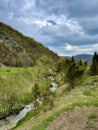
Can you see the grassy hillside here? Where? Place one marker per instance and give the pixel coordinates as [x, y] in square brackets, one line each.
[16, 88]
[65, 100]
[19, 50]
[22, 85]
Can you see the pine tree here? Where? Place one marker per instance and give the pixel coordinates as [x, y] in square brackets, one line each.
[85, 63]
[71, 74]
[80, 62]
[94, 65]
[74, 71]
[72, 59]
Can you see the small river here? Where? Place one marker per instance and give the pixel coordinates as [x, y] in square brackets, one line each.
[12, 120]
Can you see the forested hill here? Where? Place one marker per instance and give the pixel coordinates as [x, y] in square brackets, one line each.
[19, 50]
[83, 57]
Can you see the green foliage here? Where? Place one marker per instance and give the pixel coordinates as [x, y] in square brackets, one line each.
[44, 65]
[80, 63]
[36, 94]
[87, 92]
[19, 50]
[85, 63]
[72, 60]
[94, 65]
[62, 64]
[74, 71]
[93, 115]
[9, 95]
[47, 99]
[91, 124]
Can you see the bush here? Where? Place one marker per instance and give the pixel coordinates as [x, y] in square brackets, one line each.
[93, 115]
[91, 124]
[87, 92]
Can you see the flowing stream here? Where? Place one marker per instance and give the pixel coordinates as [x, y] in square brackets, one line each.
[12, 120]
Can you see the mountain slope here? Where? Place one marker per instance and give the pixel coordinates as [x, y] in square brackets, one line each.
[84, 57]
[19, 50]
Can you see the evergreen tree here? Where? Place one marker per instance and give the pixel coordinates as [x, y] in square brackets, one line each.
[72, 59]
[80, 62]
[48, 100]
[74, 71]
[94, 65]
[71, 74]
[85, 63]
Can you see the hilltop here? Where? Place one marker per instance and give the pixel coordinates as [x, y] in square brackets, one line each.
[19, 50]
[83, 57]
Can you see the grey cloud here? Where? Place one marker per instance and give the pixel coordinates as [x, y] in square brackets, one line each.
[71, 21]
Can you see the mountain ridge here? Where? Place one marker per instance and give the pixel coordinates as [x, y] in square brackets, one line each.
[17, 48]
[84, 57]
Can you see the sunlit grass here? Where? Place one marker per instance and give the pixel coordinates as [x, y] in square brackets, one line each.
[65, 101]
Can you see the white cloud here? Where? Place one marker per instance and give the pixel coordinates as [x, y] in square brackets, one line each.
[83, 49]
[32, 16]
[28, 4]
[69, 47]
[69, 50]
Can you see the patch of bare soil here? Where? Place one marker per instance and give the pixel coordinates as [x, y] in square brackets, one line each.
[77, 119]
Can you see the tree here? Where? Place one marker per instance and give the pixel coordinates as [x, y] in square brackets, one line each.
[85, 63]
[19, 60]
[71, 74]
[62, 64]
[94, 65]
[47, 99]
[44, 65]
[74, 71]
[80, 62]
[72, 60]
[36, 95]
[9, 96]
[95, 57]
[93, 69]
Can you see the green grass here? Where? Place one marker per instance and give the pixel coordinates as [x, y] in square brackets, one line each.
[91, 124]
[43, 125]
[64, 102]
[22, 79]
[29, 115]
[25, 78]
[93, 115]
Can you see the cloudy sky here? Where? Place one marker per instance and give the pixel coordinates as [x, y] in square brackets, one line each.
[68, 27]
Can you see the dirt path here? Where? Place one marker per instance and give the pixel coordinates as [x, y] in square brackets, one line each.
[77, 119]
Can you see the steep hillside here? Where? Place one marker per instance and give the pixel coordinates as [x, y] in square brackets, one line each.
[19, 50]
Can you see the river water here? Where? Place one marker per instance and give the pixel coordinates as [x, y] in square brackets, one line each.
[11, 121]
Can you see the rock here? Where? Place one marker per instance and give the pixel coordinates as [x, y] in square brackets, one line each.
[89, 87]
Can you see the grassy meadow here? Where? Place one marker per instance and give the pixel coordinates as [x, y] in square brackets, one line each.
[16, 84]
[65, 100]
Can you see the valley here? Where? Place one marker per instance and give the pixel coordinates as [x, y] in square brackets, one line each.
[39, 89]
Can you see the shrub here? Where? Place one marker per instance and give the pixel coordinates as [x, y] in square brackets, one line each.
[87, 92]
[91, 124]
[93, 115]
